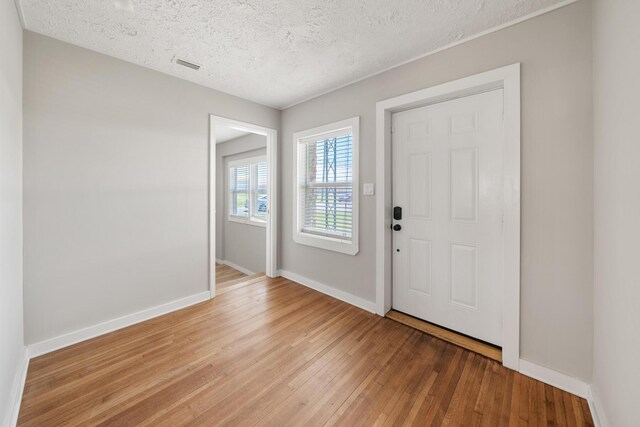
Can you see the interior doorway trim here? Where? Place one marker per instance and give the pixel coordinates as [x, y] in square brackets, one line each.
[508, 79]
[272, 194]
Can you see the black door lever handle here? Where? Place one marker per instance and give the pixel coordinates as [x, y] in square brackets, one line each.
[397, 227]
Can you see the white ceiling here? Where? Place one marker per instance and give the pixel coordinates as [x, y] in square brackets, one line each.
[225, 133]
[274, 52]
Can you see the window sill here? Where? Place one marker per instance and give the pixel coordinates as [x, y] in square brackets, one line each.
[327, 243]
[244, 221]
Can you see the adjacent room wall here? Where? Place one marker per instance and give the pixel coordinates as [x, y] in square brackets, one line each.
[244, 245]
[617, 210]
[11, 319]
[116, 185]
[557, 173]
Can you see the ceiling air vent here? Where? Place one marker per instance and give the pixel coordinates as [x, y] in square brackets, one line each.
[187, 64]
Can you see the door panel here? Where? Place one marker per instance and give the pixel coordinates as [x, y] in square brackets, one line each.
[463, 194]
[448, 178]
[420, 265]
[420, 185]
[464, 275]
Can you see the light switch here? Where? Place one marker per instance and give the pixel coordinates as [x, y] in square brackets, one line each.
[368, 189]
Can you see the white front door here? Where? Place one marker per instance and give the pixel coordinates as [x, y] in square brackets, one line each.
[448, 179]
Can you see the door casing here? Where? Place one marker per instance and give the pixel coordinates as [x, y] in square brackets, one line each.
[272, 193]
[508, 79]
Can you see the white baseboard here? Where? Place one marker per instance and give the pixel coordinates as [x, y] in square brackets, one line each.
[75, 337]
[597, 411]
[328, 290]
[236, 267]
[554, 378]
[568, 384]
[17, 388]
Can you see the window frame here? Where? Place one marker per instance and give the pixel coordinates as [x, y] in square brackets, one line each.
[335, 244]
[250, 219]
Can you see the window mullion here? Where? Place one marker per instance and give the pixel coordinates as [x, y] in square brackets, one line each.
[340, 184]
[251, 195]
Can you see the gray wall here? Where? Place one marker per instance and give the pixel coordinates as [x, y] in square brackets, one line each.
[116, 185]
[557, 173]
[11, 323]
[617, 210]
[247, 247]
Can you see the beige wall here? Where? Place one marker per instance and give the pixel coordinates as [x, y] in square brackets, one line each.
[557, 173]
[116, 185]
[246, 245]
[11, 318]
[617, 210]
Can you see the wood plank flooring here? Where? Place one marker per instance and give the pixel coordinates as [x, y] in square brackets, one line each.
[226, 275]
[275, 353]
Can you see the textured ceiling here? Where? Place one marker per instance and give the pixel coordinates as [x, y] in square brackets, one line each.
[276, 52]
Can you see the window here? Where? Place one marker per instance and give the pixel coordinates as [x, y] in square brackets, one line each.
[247, 201]
[259, 190]
[326, 202]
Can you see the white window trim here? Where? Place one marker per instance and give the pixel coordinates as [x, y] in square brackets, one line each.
[323, 242]
[250, 219]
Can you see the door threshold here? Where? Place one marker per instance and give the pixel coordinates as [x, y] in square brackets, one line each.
[464, 341]
[240, 283]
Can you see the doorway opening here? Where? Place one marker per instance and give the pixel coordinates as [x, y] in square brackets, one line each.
[242, 203]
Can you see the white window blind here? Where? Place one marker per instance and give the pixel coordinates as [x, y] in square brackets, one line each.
[259, 191]
[328, 186]
[239, 190]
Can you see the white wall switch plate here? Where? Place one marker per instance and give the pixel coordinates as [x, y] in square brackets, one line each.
[368, 189]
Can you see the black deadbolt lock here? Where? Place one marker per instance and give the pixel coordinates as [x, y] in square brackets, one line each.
[397, 213]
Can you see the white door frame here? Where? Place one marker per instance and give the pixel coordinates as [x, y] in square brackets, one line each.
[272, 193]
[508, 79]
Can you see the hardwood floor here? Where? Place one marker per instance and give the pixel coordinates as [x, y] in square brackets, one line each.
[276, 353]
[226, 274]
